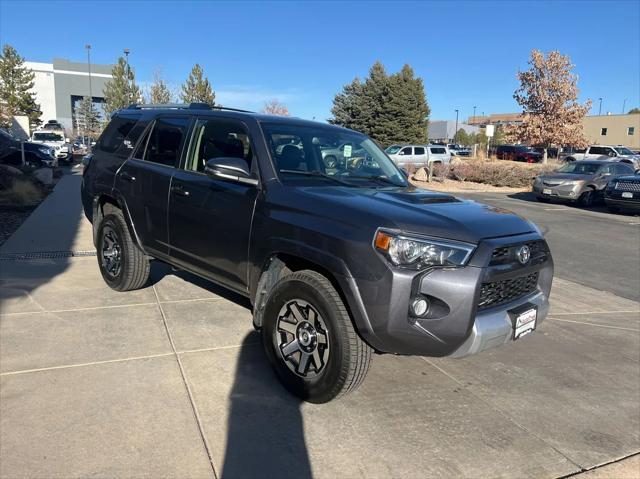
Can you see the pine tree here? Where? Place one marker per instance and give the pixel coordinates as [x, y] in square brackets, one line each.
[388, 108]
[87, 117]
[15, 82]
[159, 92]
[197, 88]
[121, 91]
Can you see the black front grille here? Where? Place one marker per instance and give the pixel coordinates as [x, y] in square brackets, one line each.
[628, 185]
[499, 292]
[507, 254]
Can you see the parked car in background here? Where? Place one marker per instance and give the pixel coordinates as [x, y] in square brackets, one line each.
[35, 154]
[606, 152]
[56, 140]
[336, 264]
[552, 152]
[623, 193]
[518, 153]
[418, 155]
[459, 150]
[53, 125]
[579, 181]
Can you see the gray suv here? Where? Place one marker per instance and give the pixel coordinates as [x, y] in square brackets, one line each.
[338, 263]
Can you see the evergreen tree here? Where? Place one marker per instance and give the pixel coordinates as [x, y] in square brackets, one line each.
[87, 117]
[389, 108]
[15, 82]
[159, 92]
[197, 88]
[121, 91]
[463, 138]
[634, 111]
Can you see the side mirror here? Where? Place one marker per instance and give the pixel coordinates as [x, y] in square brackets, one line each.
[230, 169]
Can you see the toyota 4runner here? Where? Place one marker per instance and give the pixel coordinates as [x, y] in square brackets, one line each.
[338, 259]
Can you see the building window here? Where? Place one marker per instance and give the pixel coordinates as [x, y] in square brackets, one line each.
[631, 130]
[603, 132]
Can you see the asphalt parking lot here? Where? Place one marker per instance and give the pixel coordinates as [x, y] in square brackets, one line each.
[171, 381]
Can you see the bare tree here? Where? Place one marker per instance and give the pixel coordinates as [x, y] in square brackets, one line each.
[274, 107]
[548, 95]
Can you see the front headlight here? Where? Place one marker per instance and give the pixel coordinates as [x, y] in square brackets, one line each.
[44, 150]
[418, 253]
[571, 182]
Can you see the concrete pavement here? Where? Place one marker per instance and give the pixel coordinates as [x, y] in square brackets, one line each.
[171, 381]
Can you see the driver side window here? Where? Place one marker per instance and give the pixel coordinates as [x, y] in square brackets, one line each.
[218, 138]
[406, 150]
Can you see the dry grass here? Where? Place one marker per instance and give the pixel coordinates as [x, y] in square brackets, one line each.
[21, 192]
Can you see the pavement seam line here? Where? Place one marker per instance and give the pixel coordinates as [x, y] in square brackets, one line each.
[78, 365]
[596, 312]
[599, 466]
[194, 409]
[95, 308]
[502, 413]
[594, 324]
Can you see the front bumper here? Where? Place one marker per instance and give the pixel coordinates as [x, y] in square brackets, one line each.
[456, 325]
[627, 204]
[565, 192]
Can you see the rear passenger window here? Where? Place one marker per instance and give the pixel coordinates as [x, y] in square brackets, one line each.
[418, 150]
[438, 151]
[116, 132]
[165, 143]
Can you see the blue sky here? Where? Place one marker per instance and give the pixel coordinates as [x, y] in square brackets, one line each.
[468, 53]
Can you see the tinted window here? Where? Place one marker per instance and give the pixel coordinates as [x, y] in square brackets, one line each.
[623, 170]
[126, 147]
[217, 139]
[165, 142]
[115, 133]
[438, 151]
[596, 150]
[406, 151]
[418, 150]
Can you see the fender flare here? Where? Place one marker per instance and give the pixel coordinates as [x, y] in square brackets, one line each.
[99, 201]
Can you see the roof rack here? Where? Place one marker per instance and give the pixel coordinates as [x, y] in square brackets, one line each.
[183, 106]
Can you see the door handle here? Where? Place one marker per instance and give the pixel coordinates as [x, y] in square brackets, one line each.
[179, 190]
[126, 176]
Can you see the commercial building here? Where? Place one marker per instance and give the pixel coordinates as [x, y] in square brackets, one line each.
[445, 130]
[59, 87]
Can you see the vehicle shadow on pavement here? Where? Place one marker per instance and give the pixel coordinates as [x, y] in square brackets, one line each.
[265, 435]
[597, 207]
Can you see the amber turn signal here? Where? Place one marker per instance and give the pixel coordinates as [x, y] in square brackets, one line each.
[382, 241]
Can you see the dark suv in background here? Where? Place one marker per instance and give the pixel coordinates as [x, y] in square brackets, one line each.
[338, 260]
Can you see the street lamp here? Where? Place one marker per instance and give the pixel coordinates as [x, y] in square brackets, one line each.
[600, 107]
[126, 56]
[624, 103]
[455, 134]
[474, 115]
[88, 47]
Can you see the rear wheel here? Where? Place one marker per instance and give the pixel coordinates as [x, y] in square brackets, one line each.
[587, 198]
[310, 340]
[123, 265]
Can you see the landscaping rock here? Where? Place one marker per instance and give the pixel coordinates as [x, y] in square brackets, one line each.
[421, 175]
[10, 170]
[43, 175]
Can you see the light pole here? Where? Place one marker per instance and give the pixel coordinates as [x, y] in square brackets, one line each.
[455, 134]
[474, 115]
[624, 103]
[600, 107]
[126, 56]
[88, 47]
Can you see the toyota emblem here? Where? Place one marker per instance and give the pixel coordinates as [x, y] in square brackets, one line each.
[523, 253]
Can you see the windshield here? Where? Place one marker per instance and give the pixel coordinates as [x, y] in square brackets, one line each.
[577, 168]
[392, 150]
[624, 151]
[47, 137]
[326, 155]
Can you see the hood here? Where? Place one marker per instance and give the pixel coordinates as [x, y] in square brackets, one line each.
[561, 177]
[413, 210]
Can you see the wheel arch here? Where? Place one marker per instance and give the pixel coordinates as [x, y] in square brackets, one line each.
[102, 204]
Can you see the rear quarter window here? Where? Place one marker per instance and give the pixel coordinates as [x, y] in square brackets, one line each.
[438, 151]
[116, 132]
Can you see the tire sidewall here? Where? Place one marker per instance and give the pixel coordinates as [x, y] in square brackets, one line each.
[329, 382]
[113, 222]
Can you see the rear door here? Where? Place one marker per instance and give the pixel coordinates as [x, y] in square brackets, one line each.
[439, 153]
[145, 178]
[420, 156]
[209, 218]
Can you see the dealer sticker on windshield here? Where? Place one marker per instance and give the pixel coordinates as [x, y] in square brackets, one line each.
[524, 323]
[347, 151]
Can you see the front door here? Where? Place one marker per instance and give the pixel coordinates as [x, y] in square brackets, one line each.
[145, 178]
[210, 219]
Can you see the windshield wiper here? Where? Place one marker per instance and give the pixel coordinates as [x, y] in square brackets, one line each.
[316, 174]
[380, 178]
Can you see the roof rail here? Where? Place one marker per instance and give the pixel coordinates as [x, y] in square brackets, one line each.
[183, 106]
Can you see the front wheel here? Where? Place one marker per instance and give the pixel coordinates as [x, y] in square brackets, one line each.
[587, 198]
[310, 340]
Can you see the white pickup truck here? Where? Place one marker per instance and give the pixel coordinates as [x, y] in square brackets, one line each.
[55, 139]
[604, 152]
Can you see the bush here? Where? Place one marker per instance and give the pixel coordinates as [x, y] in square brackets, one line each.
[21, 192]
[503, 173]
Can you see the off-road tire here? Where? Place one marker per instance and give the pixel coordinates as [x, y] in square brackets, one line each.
[349, 356]
[134, 269]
